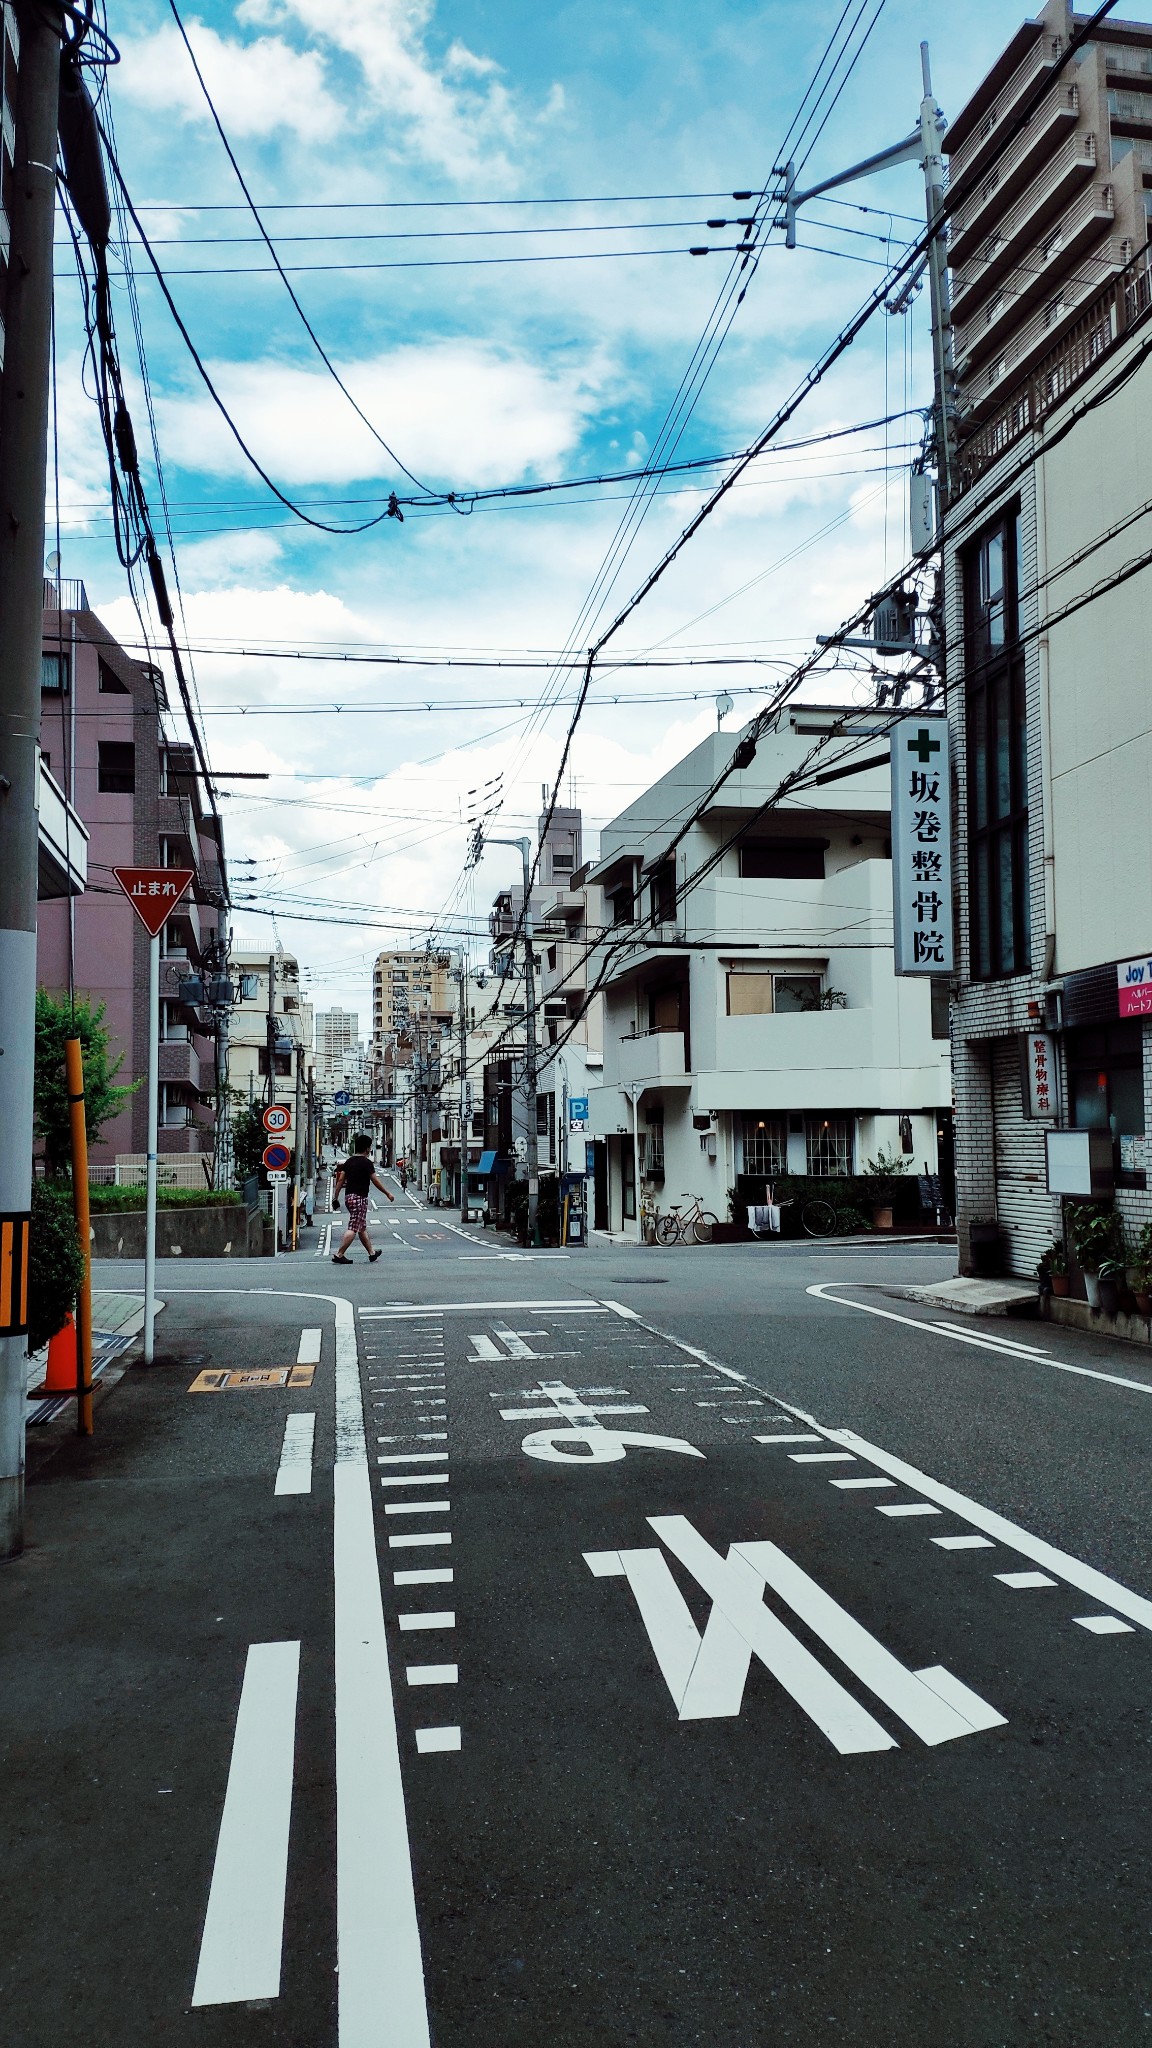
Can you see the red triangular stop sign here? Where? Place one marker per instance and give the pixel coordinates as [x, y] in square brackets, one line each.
[154, 892]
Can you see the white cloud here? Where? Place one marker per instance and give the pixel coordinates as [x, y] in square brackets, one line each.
[457, 114]
[453, 411]
[258, 87]
[206, 563]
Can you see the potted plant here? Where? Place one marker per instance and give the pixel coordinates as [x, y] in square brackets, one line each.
[1093, 1235]
[1139, 1273]
[886, 1166]
[1109, 1280]
[1052, 1269]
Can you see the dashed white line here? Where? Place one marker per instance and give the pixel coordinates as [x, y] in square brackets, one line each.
[294, 1473]
[432, 1674]
[409, 1622]
[435, 1741]
[309, 1350]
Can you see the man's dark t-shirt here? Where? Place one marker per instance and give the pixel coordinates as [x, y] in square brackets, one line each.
[358, 1171]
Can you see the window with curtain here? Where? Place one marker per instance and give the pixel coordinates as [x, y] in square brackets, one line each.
[828, 1142]
[765, 1144]
[997, 755]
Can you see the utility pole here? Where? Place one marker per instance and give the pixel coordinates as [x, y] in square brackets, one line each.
[23, 466]
[463, 1088]
[932, 163]
[270, 1032]
[525, 846]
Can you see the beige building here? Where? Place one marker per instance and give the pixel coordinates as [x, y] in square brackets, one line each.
[1050, 674]
[263, 1032]
[406, 987]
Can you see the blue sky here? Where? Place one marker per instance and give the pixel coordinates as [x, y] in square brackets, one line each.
[488, 373]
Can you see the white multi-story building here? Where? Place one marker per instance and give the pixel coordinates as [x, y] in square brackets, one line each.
[753, 1021]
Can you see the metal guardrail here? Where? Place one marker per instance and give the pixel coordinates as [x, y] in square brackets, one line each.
[1123, 305]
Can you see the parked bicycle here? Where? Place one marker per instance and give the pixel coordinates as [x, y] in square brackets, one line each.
[686, 1225]
[817, 1217]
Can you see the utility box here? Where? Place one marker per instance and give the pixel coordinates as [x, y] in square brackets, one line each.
[1080, 1163]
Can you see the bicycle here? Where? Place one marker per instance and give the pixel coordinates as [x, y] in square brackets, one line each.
[817, 1218]
[693, 1225]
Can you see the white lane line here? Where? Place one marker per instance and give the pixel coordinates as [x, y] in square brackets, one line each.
[821, 1458]
[1104, 1624]
[956, 1542]
[376, 1928]
[409, 1457]
[919, 1706]
[419, 1538]
[1023, 1582]
[446, 1619]
[244, 1925]
[427, 1575]
[434, 1741]
[294, 1473]
[1026, 1353]
[483, 1347]
[906, 1507]
[409, 1312]
[417, 1507]
[413, 1478]
[433, 1674]
[309, 1351]
[801, 1436]
[1073, 1570]
[857, 1485]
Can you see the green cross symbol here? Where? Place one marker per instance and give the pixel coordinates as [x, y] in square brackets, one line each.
[923, 746]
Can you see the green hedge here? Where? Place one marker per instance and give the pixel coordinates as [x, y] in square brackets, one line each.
[56, 1264]
[853, 1196]
[119, 1199]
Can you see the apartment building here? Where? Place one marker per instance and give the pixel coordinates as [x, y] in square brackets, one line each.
[103, 741]
[1047, 214]
[406, 985]
[270, 1040]
[753, 1021]
[1048, 661]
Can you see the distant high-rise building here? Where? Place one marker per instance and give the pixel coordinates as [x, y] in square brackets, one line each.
[337, 1033]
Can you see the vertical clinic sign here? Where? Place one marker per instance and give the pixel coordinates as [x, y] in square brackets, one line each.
[1038, 1076]
[922, 847]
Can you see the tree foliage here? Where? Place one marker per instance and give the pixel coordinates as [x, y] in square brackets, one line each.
[248, 1141]
[56, 1262]
[56, 1020]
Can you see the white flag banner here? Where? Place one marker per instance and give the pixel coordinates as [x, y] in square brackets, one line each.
[922, 846]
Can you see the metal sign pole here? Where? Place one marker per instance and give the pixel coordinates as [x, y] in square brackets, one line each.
[153, 1142]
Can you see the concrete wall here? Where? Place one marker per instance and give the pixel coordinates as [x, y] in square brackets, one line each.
[229, 1232]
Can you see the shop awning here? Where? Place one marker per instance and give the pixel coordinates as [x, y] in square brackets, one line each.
[486, 1164]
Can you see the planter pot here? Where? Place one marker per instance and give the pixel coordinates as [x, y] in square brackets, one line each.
[1092, 1289]
[1143, 1303]
[1109, 1296]
[882, 1216]
[1059, 1283]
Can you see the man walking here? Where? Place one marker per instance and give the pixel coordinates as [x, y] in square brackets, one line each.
[356, 1176]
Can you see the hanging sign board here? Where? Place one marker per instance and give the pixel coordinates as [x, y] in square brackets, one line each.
[1038, 1075]
[922, 846]
[154, 892]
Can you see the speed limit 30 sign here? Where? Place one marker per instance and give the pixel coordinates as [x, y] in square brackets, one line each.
[278, 1119]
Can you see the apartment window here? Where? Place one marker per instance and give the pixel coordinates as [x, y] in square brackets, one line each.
[623, 906]
[758, 992]
[563, 863]
[1106, 1092]
[110, 684]
[765, 1144]
[116, 771]
[551, 956]
[55, 672]
[663, 888]
[997, 755]
[283, 1061]
[546, 1124]
[828, 1142]
[783, 860]
[653, 1144]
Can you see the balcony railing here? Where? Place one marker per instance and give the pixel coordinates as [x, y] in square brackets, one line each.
[984, 139]
[1123, 305]
[1004, 322]
[1017, 167]
[1041, 203]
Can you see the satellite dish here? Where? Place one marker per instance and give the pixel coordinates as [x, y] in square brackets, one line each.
[53, 563]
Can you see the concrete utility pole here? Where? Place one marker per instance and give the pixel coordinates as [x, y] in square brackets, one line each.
[463, 1088]
[525, 846]
[23, 465]
[932, 162]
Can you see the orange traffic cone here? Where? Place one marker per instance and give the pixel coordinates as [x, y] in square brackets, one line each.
[60, 1377]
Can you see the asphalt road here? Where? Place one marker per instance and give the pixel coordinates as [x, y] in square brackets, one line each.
[614, 1647]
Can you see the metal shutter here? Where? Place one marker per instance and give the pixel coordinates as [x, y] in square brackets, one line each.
[1025, 1209]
